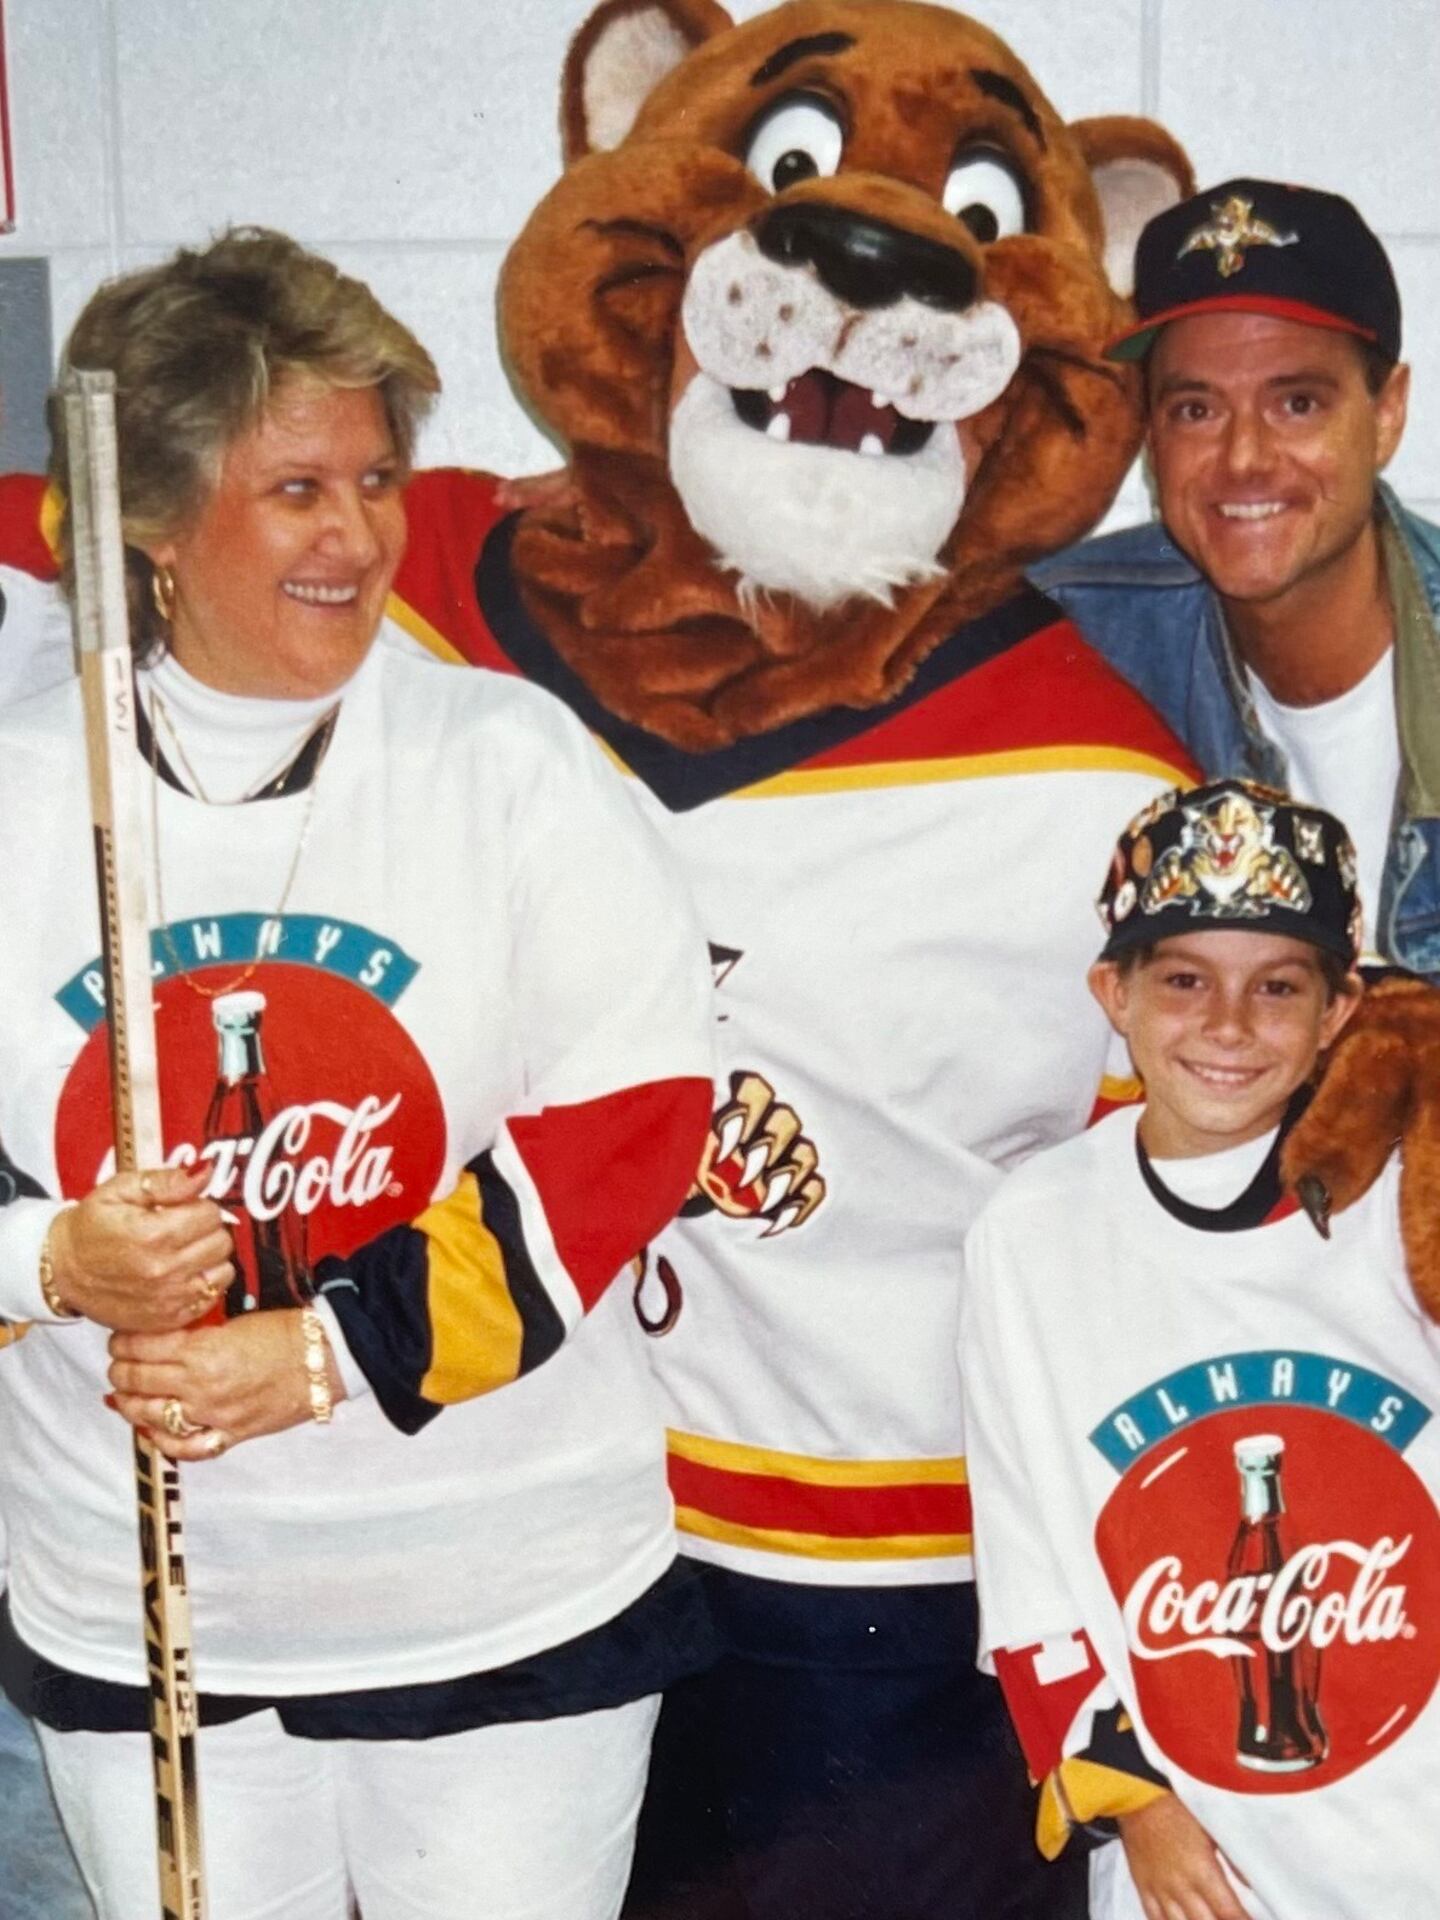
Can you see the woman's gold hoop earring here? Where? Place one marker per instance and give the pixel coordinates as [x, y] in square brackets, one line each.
[162, 592]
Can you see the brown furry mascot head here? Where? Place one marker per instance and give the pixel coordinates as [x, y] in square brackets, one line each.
[817, 308]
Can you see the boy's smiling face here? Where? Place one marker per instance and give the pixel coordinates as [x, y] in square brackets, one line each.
[1223, 1025]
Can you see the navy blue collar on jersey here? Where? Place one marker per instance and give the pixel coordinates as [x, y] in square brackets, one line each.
[682, 779]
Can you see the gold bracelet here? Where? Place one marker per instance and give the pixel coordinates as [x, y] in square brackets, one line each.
[48, 1289]
[317, 1371]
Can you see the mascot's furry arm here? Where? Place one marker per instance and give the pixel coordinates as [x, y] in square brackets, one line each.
[1381, 1085]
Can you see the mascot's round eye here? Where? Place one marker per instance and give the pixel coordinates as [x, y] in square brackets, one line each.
[799, 138]
[986, 192]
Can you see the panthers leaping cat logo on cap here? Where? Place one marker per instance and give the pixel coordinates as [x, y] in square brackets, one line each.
[1232, 228]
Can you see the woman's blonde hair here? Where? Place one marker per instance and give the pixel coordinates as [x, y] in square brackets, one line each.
[198, 345]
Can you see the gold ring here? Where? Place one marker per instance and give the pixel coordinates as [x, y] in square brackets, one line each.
[205, 1294]
[176, 1422]
[216, 1444]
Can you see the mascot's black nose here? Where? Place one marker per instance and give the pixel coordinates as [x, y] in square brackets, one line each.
[865, 262]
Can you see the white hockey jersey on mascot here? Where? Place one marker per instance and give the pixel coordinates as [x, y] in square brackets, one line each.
[817, 309]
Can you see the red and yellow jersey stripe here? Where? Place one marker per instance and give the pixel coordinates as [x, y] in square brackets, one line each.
[793, 1503]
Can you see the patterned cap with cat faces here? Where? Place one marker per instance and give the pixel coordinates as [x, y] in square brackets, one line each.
[1232, 854]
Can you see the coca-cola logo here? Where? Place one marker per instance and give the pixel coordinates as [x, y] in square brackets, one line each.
[353, 1141]
[1277, 1572]
[1282, 1610]
[278, 1168]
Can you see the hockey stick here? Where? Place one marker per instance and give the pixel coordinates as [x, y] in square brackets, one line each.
[103, 638]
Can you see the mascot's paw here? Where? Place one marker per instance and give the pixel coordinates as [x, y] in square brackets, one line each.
[1381, 1084]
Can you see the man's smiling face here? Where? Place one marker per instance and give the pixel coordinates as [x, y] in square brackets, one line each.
[1266, 441]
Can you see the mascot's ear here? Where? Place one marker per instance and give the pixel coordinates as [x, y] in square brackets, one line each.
[1138, 171]
[616, 60]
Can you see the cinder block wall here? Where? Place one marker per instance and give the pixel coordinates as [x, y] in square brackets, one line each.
[408, 138]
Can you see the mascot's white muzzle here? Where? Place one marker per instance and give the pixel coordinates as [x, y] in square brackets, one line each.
[816, 449]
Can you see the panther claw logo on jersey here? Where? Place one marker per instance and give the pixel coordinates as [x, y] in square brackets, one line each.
[1281, 1651]
[758, 1162]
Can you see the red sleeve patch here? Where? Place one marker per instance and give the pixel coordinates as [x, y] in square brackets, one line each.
[612, 1172]
[1043, 1704]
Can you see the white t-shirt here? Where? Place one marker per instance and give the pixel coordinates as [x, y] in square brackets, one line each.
[1118, 1362]
[1344, 755]
[1215, 1179]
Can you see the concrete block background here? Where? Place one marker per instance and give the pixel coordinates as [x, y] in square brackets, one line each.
[409, 138]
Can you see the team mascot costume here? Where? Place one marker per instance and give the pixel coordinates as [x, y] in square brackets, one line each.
[816, 310]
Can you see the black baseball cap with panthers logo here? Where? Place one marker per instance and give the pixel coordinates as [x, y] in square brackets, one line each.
[1258, 246]
[1233, 854]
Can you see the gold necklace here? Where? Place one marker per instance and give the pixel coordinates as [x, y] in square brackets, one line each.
[166, 938]
[272, 773]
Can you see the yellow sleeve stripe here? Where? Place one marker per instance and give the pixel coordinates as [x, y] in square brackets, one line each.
[476, 1331]
[1080, 1791]
[52, 509]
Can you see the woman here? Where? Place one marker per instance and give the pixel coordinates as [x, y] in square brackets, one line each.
[409, 940]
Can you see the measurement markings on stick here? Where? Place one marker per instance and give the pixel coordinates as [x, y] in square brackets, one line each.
[102, 633]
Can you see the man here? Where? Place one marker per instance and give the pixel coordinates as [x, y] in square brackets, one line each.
[1283, 618]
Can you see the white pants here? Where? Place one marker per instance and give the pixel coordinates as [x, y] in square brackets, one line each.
[528, 1822]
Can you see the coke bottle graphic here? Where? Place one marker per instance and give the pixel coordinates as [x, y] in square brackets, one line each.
[1280, 1726]
[270, 1259]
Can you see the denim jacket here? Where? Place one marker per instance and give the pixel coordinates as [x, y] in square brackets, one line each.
[1140, 602]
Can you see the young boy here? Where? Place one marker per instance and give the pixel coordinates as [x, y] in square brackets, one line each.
[1203, 1463]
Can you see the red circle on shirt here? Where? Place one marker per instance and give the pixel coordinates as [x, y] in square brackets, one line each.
[360, 1114]
[1357, 1588]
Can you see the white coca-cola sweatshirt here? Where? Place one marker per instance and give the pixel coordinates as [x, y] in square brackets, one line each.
[486, 1012]
[1123, 1353]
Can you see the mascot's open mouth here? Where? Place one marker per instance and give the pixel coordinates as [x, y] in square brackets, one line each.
[791, 381]
[819, 409]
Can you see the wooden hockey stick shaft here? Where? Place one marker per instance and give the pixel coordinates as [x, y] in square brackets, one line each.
[115, 764]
